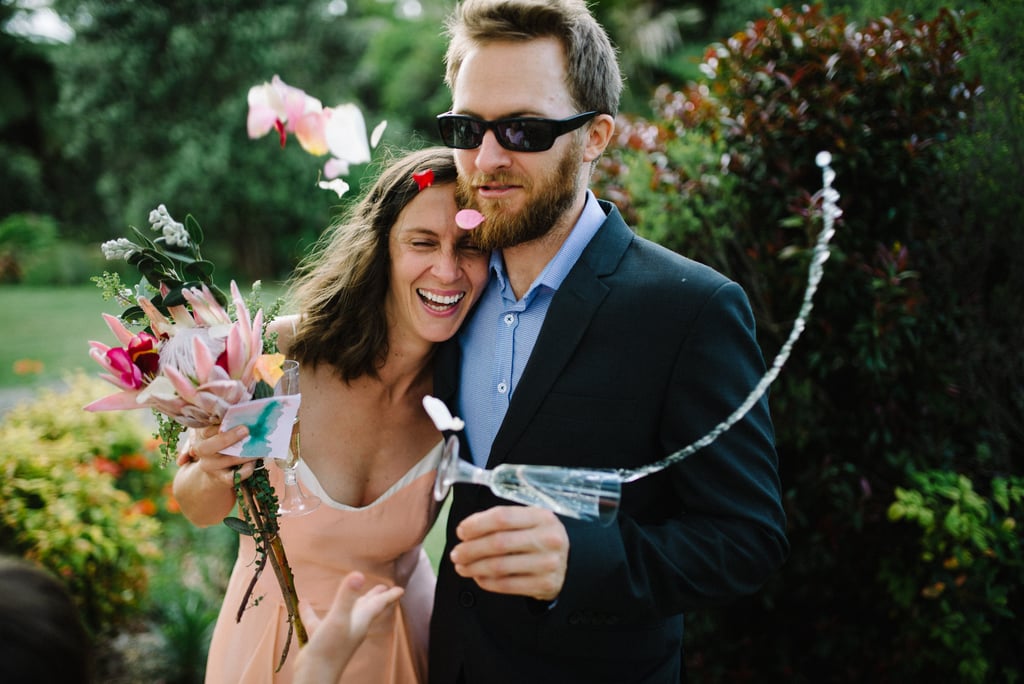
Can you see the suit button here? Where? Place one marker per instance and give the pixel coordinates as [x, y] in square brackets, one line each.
[467, 599]
[574, 618]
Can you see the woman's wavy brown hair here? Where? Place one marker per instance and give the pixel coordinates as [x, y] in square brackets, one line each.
[340, 288]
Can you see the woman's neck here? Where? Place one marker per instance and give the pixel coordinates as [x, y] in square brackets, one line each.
[408, 369]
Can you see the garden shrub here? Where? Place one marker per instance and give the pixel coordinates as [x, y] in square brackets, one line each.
[963, 591]
[24, 237]
[876, 391]
[80, 496]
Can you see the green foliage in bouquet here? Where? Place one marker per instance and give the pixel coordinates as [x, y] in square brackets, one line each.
[168, 264]
[78, 495]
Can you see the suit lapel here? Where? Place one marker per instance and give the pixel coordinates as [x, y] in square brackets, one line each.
[567, 319]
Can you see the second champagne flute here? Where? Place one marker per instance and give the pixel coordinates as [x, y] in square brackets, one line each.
[293, 501]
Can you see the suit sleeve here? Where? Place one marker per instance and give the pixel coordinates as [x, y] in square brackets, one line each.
[709, 529]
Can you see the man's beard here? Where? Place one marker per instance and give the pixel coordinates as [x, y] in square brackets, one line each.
[553, 197]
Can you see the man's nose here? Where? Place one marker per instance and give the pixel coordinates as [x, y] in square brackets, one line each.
[491, 155]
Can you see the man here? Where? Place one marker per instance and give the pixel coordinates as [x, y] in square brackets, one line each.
[593, 348]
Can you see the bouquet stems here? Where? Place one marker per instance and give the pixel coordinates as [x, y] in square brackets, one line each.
[258, 504]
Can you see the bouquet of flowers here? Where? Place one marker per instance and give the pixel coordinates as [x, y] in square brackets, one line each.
[191, 362]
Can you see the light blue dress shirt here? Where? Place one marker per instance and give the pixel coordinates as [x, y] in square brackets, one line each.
[497, 341]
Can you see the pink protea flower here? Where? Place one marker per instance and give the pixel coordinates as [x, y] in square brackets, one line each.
[206, 360]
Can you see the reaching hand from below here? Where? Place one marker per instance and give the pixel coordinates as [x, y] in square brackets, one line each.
[335, 638]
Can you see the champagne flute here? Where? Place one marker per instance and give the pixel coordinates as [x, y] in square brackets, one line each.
[583, 493]
[294, 501]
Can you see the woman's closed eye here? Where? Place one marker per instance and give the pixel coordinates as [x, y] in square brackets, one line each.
[472, 249]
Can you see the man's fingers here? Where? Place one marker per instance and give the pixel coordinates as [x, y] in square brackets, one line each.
[501, 518]
[513, 550]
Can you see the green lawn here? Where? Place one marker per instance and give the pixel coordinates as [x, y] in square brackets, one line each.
[51, 325]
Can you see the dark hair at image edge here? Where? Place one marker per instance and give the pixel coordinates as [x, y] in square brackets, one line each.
[42, 638]
[340, 288]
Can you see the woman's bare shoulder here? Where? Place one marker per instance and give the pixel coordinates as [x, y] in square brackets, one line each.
[285, 327]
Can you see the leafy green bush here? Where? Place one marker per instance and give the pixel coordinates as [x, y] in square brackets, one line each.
[78, 495]
[963, 588]
[910, 362]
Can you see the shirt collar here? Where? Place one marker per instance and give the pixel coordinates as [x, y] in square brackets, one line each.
[590, 221]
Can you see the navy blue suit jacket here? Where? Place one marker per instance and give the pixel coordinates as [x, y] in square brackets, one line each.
[642, 352]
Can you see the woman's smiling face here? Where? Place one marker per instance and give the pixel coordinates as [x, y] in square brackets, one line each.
[437, 271]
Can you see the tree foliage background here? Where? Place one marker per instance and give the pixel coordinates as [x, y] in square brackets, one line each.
[147, 105]
[899, 415]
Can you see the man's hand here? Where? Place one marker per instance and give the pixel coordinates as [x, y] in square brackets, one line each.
[514, 550]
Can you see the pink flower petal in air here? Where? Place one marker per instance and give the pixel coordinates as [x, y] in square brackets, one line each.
[468, 219]
[424, 178]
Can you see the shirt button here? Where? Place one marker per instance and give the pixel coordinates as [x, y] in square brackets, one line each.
[510, 319]
[466, 599]
[502, 388]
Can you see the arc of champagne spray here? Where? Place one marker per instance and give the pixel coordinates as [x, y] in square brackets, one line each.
[830, 212]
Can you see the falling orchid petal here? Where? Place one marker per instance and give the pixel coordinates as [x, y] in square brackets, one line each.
[378, 133]
[297, 104]
[265, 109]
[346, 134]
[310, 132]
[468, 219]
[438, 412]
[337, 185]
[335, 167]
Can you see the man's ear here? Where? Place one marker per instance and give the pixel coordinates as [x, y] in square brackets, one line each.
[599, 134]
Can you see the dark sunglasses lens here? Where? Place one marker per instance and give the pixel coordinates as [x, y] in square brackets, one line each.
[461, 132]
[524, 135]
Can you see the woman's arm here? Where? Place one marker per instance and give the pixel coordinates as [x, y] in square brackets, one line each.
[285, 327]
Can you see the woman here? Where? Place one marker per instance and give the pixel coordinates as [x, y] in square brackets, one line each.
[386, 285]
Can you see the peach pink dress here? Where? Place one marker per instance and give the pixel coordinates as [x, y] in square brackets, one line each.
[382, 540]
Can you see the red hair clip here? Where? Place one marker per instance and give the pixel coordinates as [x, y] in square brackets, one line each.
[424, 178]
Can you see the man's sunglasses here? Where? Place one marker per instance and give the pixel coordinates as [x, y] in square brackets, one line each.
[516, 133]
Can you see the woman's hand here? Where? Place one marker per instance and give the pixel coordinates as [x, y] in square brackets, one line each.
[205, 449]
[204, 483]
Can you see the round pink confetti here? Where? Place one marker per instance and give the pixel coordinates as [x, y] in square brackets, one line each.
[468, 219]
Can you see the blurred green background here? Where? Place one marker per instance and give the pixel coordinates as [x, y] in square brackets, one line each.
[900, 416]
